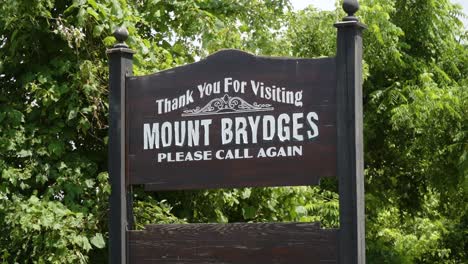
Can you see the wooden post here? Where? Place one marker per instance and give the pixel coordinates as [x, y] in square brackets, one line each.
[120, 66]
[350, 158]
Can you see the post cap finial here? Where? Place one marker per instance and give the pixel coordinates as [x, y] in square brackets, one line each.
[121, 34]
[350, 7]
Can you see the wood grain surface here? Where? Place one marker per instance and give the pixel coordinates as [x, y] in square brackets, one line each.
[315, 77]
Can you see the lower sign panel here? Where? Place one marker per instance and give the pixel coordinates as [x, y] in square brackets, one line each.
[258, 243]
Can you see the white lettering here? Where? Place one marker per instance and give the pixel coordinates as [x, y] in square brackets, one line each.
[206, 129]
[241, 131]
[226, 131]
[283, 131]
[268, 127]
[296, 125]
[166, 134]
[311, 117]
[150, 136]
[254, 127]
[193, 133]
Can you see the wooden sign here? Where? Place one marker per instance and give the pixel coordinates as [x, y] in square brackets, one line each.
[233, 120]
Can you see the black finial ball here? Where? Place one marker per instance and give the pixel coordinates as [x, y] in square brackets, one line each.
[350, 7]
[121, 34]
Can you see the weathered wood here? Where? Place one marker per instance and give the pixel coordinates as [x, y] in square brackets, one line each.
[316, 78]
[350, 142]
[242, 243]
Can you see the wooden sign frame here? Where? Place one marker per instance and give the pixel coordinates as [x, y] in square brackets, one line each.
[241, 243]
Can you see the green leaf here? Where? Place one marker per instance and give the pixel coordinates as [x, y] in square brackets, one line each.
[16, 117]
[89, 183]
[92, 3]
[109, 41]
[2, 116]
[246, 193]
[98, 241]
[72, 114]
[24, 153]
[301, 210]
[249, 212]
[97, 30]
[93, 13]
[56, 148]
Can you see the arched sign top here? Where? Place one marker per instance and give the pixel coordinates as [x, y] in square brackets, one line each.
[220, 54]
[223, 58]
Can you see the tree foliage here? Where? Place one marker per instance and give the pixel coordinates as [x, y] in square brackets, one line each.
[53, 115]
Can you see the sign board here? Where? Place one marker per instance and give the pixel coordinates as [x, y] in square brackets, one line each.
[233, 120]
[239, 120]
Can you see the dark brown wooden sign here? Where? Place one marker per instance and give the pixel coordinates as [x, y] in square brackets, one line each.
[233, 120]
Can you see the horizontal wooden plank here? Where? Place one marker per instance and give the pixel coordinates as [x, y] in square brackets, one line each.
[242, 243]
